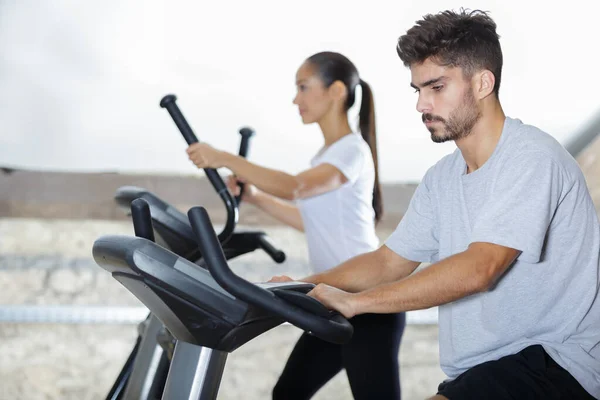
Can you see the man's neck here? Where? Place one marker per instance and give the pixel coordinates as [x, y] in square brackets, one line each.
[478, 146]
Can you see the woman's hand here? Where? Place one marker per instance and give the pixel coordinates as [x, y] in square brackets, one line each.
[206, 156]
[250, 191]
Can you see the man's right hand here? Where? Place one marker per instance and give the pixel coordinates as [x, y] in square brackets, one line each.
[281, 278]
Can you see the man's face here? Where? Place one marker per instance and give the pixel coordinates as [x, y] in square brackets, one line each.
[446, 100]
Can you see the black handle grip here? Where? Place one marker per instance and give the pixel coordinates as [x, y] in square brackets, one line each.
[142, 220]
[334, 328]
[246, 133]
[170, 103]
[265, 243]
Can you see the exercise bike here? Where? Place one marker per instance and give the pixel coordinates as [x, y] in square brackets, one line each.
[144, 373]
[209, 309]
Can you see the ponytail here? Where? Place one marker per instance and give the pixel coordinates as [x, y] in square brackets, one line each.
[366, 124]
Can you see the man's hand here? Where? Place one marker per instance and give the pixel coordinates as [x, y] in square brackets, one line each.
[206, 156]
[280, 278]
[335, 299]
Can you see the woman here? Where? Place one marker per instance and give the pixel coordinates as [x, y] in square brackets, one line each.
[337, 203]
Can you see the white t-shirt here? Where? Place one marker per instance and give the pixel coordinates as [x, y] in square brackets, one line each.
[340, 224]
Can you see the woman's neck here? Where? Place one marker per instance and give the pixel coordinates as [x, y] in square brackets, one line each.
[334, 128]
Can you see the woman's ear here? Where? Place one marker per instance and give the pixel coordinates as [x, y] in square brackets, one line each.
[338, 90]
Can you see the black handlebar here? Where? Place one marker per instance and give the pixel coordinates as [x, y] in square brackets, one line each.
[331, 327]
[142, 221]
[169, 102]
[246, 133]
[265, 243]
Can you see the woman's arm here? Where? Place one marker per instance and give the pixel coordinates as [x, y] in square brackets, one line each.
[281, 210]
[320, 179]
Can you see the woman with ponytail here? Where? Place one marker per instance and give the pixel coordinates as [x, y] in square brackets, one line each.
[337, 203]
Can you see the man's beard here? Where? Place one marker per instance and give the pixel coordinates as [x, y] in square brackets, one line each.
[459, 124]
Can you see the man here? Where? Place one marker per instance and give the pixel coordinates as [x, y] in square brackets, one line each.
[506, 221]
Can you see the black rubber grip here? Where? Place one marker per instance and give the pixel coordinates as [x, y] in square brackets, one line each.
[265, 243]
[246, 133]
[142, 220]
[169, 102]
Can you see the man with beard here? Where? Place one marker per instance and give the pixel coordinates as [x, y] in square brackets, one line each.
[506, 221]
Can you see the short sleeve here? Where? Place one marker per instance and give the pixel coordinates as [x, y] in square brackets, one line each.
[416, 236]
[522, 204]
[347, 156]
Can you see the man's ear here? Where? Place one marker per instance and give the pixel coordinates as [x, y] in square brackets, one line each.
[484, 84]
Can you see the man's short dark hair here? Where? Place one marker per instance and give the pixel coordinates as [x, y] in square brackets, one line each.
[465, 39]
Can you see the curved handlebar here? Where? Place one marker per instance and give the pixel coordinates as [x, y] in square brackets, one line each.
[169, 102]
[331, 327]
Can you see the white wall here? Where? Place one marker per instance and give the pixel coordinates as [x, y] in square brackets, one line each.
[80, 82]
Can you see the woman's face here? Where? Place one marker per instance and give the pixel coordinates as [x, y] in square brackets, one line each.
[312, 97]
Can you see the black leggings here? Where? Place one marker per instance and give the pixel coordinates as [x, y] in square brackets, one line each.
[370, 361]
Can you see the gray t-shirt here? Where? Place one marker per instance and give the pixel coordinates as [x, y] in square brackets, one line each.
[532, 196]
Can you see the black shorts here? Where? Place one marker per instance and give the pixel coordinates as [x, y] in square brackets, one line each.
[529, 374]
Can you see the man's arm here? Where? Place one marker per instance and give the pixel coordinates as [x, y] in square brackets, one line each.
[366, 271]
[472, 271]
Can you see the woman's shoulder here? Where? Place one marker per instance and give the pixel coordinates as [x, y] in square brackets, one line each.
[348, 143]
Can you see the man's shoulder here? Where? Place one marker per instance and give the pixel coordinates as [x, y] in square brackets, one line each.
[529, 144]
[531, 148]
[527, 138]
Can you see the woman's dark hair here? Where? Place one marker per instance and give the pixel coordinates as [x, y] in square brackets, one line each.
[331, 67]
